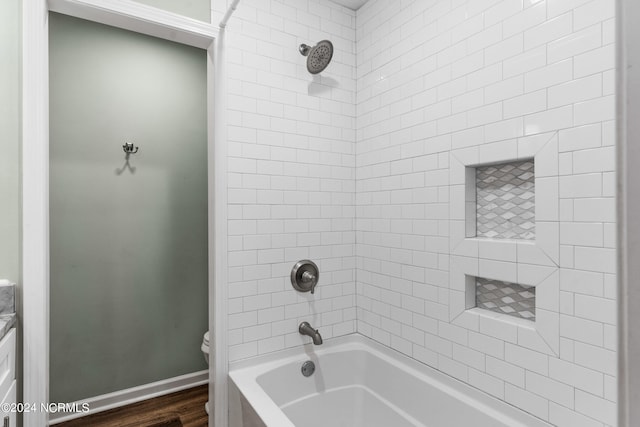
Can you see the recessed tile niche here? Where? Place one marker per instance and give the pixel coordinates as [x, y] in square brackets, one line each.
[500, 205]
[507, 298]
[504, 196]
[505, 236]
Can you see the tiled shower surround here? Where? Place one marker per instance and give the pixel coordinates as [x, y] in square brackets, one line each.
[291, 173]
[359, 170]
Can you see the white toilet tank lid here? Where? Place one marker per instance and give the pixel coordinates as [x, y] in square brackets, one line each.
[206, 338]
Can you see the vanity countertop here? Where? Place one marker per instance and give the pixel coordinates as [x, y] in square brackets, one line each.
[7, 321]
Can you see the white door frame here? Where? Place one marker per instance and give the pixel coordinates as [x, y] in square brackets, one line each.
[143, 19]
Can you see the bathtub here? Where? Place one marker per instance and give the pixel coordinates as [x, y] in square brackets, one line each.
[359, 383]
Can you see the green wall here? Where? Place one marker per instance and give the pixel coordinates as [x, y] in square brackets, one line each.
[10, 152]
[196, 9]
[128, 242]
[10, 139]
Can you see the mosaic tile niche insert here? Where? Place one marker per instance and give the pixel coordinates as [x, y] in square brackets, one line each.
[506, 298]
[505, 201]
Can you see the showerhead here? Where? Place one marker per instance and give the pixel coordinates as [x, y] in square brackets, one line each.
[318, 57]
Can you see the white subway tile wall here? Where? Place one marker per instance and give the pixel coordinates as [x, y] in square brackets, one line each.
[488, 79]
[291, 172]
[351, 169]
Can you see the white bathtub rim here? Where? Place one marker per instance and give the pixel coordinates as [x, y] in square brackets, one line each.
[263, 406]
[245, 373]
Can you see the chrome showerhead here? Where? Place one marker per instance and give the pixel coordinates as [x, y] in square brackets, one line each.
[318, 57]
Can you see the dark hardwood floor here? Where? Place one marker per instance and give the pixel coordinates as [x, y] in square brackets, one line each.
[184, 408]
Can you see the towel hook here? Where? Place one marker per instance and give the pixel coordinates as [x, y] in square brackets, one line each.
[129, 148]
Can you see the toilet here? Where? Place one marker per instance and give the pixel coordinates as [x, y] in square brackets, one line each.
[205, 351]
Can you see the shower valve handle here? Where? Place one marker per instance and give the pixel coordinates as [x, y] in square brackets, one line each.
[304, 276]
[308, 277]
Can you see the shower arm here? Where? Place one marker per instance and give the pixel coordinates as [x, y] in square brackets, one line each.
[304, 49]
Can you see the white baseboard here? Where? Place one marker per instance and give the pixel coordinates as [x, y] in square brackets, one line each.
[133, 395]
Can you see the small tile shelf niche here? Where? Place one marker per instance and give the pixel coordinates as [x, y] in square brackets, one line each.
[507, 298]
[505, 201]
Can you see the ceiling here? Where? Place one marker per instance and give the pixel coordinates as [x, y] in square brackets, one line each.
[351, 4]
